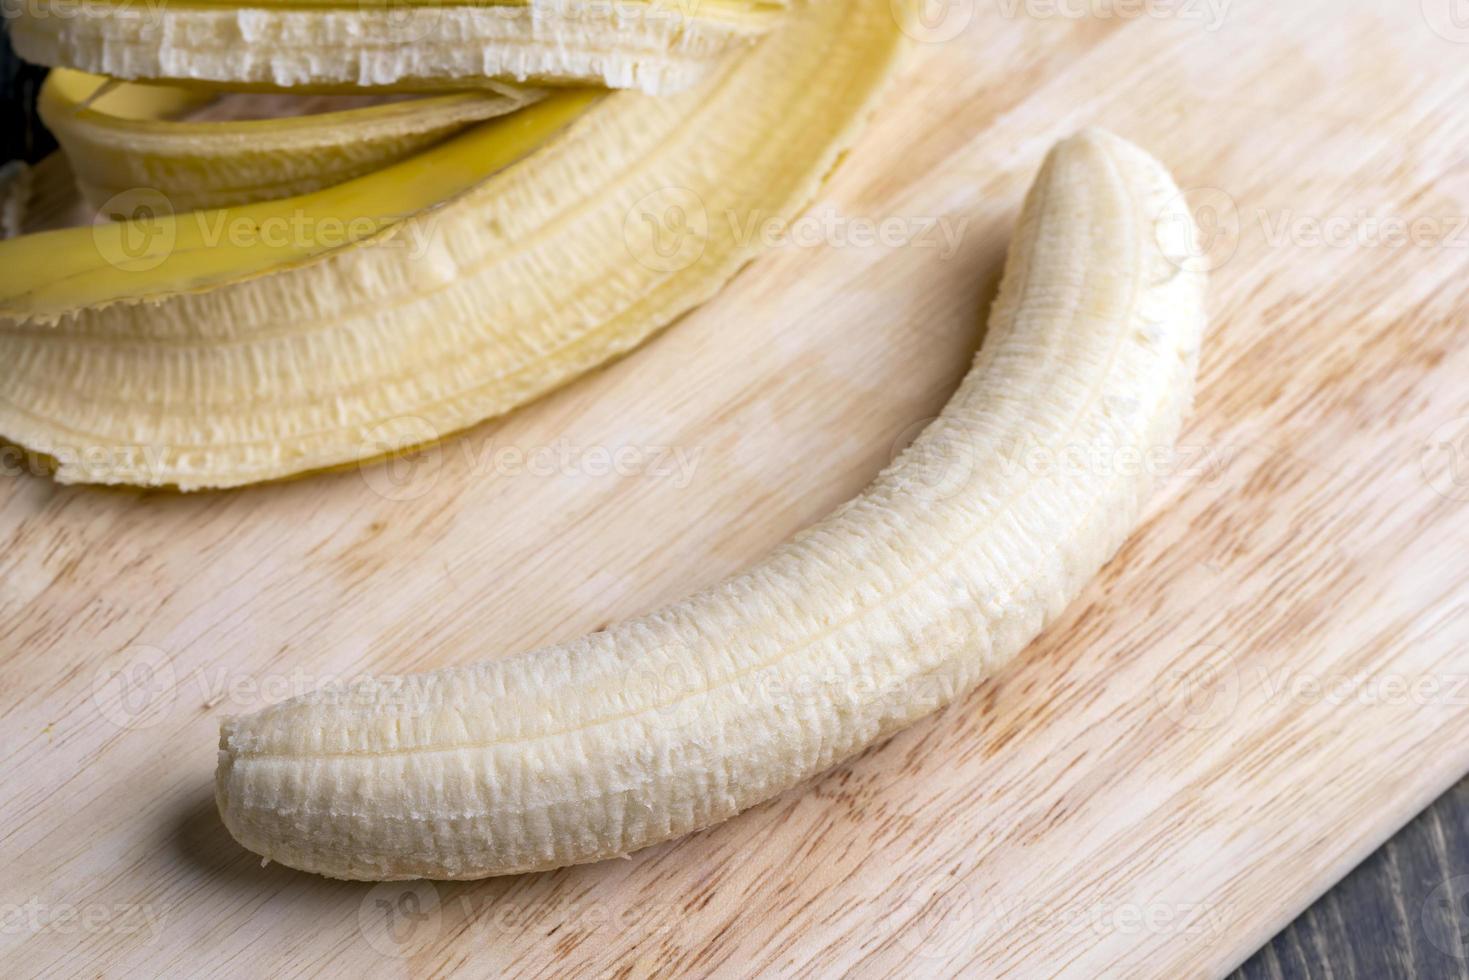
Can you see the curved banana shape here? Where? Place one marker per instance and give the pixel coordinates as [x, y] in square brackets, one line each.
[658, 46]
[119, 136]
[250, 362]
[903, 599]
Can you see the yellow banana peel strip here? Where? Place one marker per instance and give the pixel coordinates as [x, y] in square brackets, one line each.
[120, 136]
[652, 45]
[158, 253]
[248, 363]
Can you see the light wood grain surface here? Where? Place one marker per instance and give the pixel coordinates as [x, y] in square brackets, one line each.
[1267, 682]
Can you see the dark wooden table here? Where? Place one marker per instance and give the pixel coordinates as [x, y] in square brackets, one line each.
[1403, 913]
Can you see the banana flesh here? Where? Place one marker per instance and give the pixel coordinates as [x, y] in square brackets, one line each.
[657, 46]
[195, 363]
[945, 568]
[120, 136]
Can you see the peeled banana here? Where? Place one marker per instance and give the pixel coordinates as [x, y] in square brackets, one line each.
[192, 351]
[945, 568]
[121, 136]
[657, 46]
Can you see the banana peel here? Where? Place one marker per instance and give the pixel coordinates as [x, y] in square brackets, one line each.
[656, 46]
[122, 136]
[196, 351]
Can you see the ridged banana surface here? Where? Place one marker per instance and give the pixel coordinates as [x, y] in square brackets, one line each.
[955, 558]
[166, 353]
[120, 136]
[657, 46]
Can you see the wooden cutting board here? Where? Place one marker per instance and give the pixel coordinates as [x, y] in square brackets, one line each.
[1267, 682]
